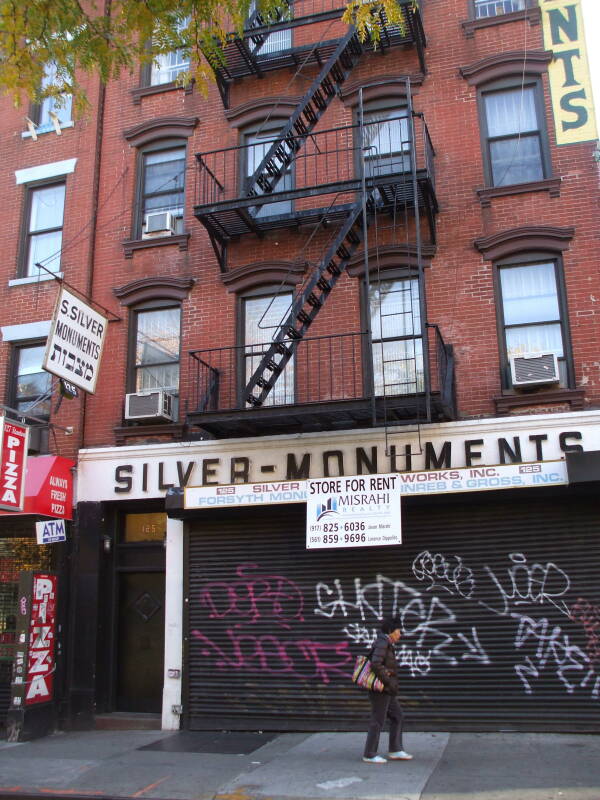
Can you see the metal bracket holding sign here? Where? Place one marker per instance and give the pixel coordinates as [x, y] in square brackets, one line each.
[14, 442]
[76, 341]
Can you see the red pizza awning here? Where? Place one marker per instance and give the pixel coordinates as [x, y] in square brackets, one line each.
[48, 488]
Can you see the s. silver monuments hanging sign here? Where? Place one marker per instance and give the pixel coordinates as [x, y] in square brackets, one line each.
[355, 511]
[76, 340]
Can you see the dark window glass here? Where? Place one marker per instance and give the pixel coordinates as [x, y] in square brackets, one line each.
[163, 184]
[31, 382]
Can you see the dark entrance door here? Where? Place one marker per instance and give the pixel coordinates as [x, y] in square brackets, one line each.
[141, 641]
[140, 613]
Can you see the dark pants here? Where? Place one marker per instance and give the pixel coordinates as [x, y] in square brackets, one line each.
[384, 705]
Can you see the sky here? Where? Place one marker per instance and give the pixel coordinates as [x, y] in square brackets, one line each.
[591, 18]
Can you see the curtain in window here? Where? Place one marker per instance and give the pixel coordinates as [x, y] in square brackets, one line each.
[276, 41]
[262, 316]
[62, 107]
[47, 213]
[32, 381]
[386, 142]
[531, 309]
[516, 157]
[258, 146]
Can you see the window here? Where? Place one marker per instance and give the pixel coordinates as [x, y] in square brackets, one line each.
[494, 8]
[166, 67]
[156, 348]
[51, 105]
[532, 319]
[30, 382]
[397, 337]
[276, 41]
[515, 143]
[257, 146]
[162, 185]
[44, 224]
[386, 141]
[262, 316]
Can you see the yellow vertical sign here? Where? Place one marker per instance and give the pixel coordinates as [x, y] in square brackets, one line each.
[569, 72]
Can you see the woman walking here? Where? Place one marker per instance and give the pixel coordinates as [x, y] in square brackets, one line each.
[385, 704]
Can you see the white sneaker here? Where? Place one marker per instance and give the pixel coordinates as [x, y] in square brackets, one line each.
[375, 760]
[399, 755]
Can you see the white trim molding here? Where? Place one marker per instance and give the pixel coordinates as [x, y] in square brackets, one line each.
[44, 171]
[27, 330]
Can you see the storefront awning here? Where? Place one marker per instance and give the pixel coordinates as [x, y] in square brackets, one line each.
[48, 488]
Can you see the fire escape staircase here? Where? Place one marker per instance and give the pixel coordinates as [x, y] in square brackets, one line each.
[307, 305]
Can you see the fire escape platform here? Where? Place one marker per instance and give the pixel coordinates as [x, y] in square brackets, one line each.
[228, 219]
[322, 416]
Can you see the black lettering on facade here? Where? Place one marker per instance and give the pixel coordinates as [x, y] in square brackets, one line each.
[433, 461]
[123, 478]
[293, 471]
[513, 453]
[363, 460]
[470, 454]
[209, 471]
[339, 457]
[538, 438]
[144, 477]
[566, 57]
[240, 470]
[579, 111]
[568, 25]
[162, 486]
[570, 448]
[184, 477]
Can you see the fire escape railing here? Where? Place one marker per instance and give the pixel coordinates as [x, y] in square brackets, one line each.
[324, 369]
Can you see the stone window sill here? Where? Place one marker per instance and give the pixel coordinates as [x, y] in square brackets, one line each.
[574, 398]
[550, 185]
[471, 25]
[35, 279]
[47, 128]
[160, 88]
[179, 239]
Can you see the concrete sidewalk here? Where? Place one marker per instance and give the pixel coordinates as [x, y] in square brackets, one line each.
[153, 764]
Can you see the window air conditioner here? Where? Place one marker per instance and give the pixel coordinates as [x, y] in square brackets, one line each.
[156, 404]
[534, 369]
[159, 223]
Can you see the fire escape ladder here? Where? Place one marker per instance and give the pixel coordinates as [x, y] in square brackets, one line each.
[308, 112]
[307, 306]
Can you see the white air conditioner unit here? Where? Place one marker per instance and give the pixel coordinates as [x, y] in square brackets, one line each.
[534, 369]
[155, 404]
[159, 223]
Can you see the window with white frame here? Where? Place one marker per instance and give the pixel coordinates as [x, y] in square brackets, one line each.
[494, 8]
[532, 313]
[515, 136]
[44, 228]
[166, 67]
[395, 316]
[49, 107]
[276, 41]
[31, 385]
[262, 316]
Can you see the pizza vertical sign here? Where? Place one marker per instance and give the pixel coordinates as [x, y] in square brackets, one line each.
[76, 341]
[14, 440]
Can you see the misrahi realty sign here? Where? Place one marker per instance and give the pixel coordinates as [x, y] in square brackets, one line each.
[76, 340]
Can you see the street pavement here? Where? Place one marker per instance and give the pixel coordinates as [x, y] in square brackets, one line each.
[300, 766]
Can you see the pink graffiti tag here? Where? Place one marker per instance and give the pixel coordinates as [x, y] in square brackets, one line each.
[298, 658]
[254, 597]
[589, 616]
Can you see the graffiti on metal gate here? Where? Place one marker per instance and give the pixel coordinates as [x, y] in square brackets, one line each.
[449, 612]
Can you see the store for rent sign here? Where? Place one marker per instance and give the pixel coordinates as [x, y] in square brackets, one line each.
[355, 511]
[14, 439]
[569, 71]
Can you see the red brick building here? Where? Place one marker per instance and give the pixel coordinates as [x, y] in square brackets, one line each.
[349, 259]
